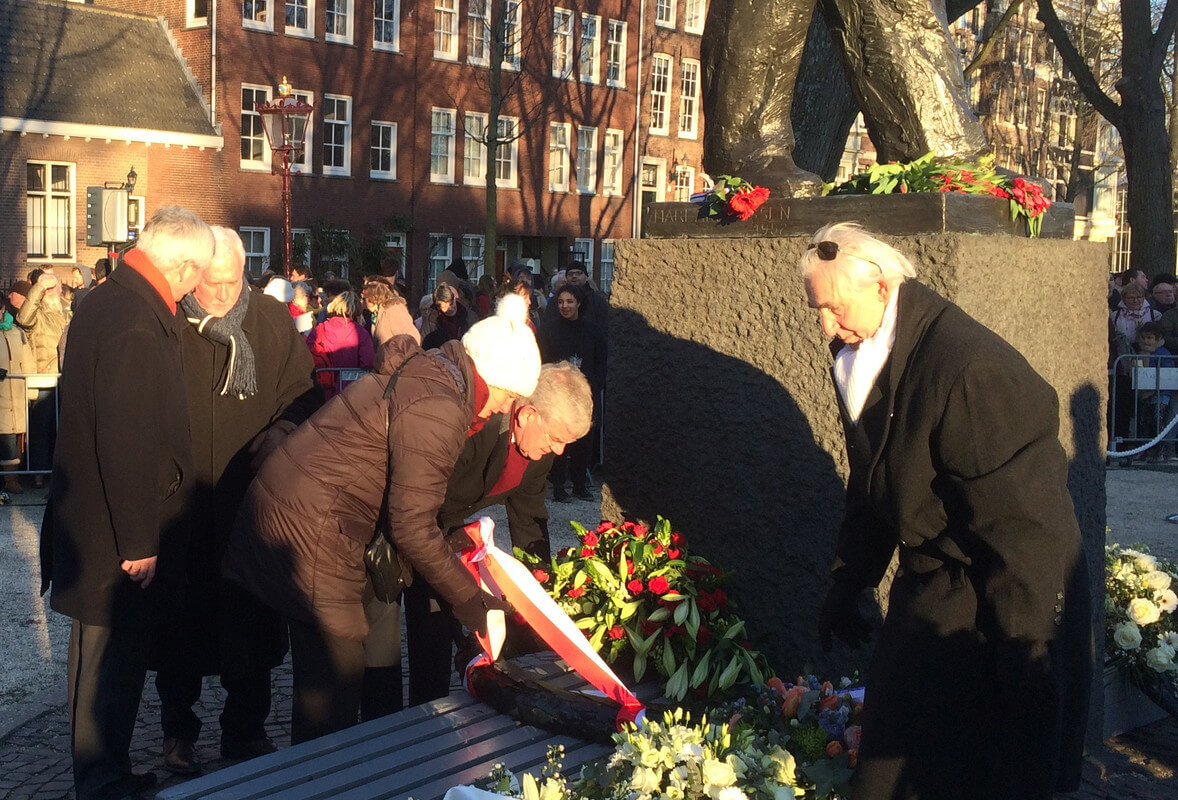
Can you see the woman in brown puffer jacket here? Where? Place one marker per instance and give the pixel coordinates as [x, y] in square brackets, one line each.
[299, 539]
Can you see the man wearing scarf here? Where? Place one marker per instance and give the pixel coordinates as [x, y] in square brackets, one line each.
[249, 383]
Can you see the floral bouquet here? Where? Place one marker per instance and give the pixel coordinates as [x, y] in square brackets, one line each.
[1141, 635]
[732, 197]
[641, 597]
[926, 174]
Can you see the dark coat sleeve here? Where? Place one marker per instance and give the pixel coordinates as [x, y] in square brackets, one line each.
[298, 394]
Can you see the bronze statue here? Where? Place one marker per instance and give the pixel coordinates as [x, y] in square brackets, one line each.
[899, 59]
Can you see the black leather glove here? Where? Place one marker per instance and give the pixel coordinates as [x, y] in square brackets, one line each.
[840, 617]
[473, 612]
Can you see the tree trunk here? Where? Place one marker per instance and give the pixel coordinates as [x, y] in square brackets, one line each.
[1150, 205]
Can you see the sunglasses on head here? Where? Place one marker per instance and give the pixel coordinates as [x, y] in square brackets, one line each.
[828, 251]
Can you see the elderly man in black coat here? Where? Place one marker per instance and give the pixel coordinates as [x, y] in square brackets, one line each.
[112, 542]
[249, 382]
[506, 462]
[980, 670]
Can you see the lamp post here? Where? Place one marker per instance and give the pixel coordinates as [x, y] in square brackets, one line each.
[285, 120]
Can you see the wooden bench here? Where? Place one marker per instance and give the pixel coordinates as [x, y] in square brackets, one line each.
[420, 752]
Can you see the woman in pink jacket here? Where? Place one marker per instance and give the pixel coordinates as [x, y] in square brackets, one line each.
[340, 341]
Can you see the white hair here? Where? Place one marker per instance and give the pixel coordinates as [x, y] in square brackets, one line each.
[229, 243]
[869, 257]
[174, 237]
[563, 395]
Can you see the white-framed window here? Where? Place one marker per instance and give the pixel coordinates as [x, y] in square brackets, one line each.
[472, 255]
[446, 30]
[562, 43]
[334, 246]
[337, 134]
[383, 151]
[664, 13]
[559, 134]
[652, 180]
[257, 15]
[341, 19]
[611, 177]
[255, 153]
[257, 249]
[684, 184]
[441, 148]
[590, 44]
[583, 252]
[196, 13]
[507, 155]
[440, 256]
[605, 275]
[300, 243]
[513, 36]
[660, 91]
[300, 163]
[586, 160]
[615, 54]
[689, 98]
[478, 33]
[386, 25]
[474, 149]
[693, 16]
[300, 18]
[49, 211]
[394, 245]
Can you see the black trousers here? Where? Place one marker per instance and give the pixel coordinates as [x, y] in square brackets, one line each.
[573, 464]
[107, 670]
[328, 681]
[430, 630]
[247, 704]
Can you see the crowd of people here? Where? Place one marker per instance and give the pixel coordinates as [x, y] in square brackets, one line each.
[247, 524]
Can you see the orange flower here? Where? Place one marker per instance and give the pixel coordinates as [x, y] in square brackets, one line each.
[793, 699]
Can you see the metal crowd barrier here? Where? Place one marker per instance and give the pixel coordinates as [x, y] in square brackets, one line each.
[341, 376]
[1138, 382]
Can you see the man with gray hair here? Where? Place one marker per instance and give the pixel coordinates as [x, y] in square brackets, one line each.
[113, 542]
[248, 379]
[507, 462]
[955, 460]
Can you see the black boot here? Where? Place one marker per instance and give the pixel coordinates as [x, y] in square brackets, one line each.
[381, 694]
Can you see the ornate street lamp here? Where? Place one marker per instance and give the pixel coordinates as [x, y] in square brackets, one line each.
[285, 121]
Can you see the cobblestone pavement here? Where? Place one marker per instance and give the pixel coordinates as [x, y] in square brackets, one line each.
[34, 734]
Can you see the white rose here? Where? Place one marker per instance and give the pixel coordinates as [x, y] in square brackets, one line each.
[731, 793]
[1145, 564]
[1158, 659]
[1157, 580]
[1167, 601]
[718, 773]
[1143, 611]
[1127, 636]
[645, 780]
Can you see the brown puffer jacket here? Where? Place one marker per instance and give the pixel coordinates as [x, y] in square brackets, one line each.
[299, 539]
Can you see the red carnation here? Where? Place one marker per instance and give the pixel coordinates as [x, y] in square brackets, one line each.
[674, 552]
[616, 632]
[576, 591]
[627, 526]
[586, 552]
[589, 539]
[706, 602]
[744, 204]
[634, 586]
[658, 548]
[605, 526]
[540, 575]
[676, 538]
[640, 531]
[659, 585]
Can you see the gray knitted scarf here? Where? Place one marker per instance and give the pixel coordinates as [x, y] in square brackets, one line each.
[241, 375]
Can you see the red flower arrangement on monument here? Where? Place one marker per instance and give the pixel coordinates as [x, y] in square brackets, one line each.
[733, 198]
[642, 599]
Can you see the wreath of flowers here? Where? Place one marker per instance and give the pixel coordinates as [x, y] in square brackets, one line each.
[732, 198]
[1140, 603]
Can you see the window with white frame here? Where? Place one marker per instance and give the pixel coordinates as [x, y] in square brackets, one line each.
[446, 29]
[335, 244]
[383, 151]
[689, 98]
[664, 13]
[583, 252]
[196, 13]
[257, 249]
[300, 245]
[684, 184]
[513, 35]
[478, 33]
[394, 246]
[340, 20]
[256, 14]
[615, 54]
[386, 31]
[562, 43]
[255, 154]
[586, 160]
[693, 16]
[337, 134]
[558, 156]
[300, 18]
[660, 90]
[472, 256]
[474, 149]
[611, 177]
[507, 154]
[300, 162]
[440, 256]
[590, 44]
[605, 274]
[441, 149]
[49, 211]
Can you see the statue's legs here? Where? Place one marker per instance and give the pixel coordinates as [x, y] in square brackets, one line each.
[751, 52]
[906, 75]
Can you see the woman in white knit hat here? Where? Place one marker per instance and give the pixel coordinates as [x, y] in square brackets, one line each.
[382, 450]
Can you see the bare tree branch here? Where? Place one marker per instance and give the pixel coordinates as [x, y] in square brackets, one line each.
[1105, 105]
[992, 40]
[1161, 39]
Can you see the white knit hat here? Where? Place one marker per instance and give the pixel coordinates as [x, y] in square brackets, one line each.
[280, 289]
[503, 348]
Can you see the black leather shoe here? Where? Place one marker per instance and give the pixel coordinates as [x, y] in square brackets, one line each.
[240, 750]
[180, 757]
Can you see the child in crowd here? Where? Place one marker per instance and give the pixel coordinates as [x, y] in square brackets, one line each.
[1155, 408]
